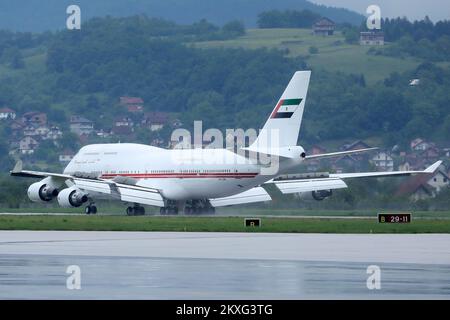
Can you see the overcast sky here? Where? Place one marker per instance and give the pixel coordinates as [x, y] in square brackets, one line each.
[412, 9]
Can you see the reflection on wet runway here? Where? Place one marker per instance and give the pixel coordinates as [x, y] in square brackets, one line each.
[217, 265]
[44, 277]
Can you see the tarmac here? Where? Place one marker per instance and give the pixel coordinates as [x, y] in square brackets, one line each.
[196, 265]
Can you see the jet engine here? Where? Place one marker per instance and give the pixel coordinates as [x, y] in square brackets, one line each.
[319, 195]
[72, 197]
[42, 191]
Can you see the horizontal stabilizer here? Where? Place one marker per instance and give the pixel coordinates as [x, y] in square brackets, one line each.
[337, 154]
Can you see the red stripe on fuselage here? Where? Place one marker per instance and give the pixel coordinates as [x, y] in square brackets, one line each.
[179, 175]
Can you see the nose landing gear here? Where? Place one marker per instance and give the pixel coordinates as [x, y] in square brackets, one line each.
[90, 209]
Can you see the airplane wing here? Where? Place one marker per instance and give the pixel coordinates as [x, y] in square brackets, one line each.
[324, 181]
[308, 185]
[428, 170]
[257, 194]
[118, 190]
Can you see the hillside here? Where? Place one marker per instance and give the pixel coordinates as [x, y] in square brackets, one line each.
[187, 73]
[333, 55]
[36, 15]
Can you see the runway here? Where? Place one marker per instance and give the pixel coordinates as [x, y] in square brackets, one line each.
[177, 265]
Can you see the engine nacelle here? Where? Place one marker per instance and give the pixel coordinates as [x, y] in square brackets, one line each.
[42, 191]
[319, 195]
[72, 197]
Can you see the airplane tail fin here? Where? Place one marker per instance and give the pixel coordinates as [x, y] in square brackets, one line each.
[283, 126]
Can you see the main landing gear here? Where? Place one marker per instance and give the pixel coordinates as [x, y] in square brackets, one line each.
[190, 207]
[90, 209]
[136, 210]
[199, 207]
[168, 211]
[171, 208]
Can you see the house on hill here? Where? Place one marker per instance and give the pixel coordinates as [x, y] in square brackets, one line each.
[358, 144]
[66, 156]
[383, 161]
[27, 145]
[423, 186]
[81, 126]
[345, 163]
[54, 133]
[35, 118]
[133, 104]
[362, 158]
[7, 113]
[324, 27]
[419, 144]
[17, 127]
[123, 122]
[155, 120]
[30, 130]
[122, 130]
[131, 100]
[371, 38]
[134, 108]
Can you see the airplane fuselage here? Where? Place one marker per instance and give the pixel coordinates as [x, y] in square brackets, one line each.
[179, 174]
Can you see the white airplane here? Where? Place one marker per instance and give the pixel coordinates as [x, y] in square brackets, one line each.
[187, 180]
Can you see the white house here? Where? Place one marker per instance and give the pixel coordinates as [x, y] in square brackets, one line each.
[42, 131]
[383, 161]
[439, 180]
[66, 156]
[7, 113]
[30, 131]
[54, 133]
[405, 166]
[124, 122]
[420, 145]
[27, 145]
[80, 125]
[371, 38]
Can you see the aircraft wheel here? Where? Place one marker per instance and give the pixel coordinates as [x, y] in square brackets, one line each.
[93, 209]
[130, 211]
[87, 210]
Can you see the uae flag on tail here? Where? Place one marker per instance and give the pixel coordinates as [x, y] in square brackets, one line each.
[285, 108]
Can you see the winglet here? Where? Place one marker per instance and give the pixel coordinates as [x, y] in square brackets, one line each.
[17, 167]
[433, 167]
